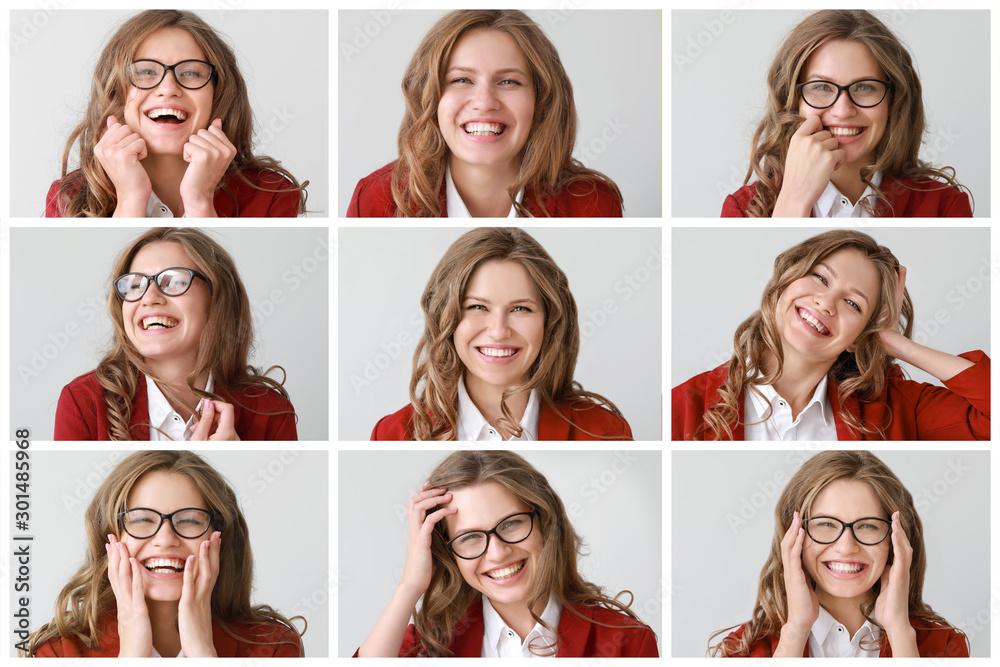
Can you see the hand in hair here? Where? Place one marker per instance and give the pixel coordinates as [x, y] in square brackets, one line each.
[892, 607]
[386, 638]
[813, 156]
[194, 613]
[119, 152]
[135, 632]
[803, 604]
[208, 154]
[217, 422]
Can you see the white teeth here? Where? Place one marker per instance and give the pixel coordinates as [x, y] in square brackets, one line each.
[845, 131]
[164, 565]
[163, 322]
[498, 352]
[506, 572]
[813, 321]
[153, 114]
[845, 568]
[483, 129]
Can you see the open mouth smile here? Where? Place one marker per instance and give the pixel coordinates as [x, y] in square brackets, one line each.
[845, 569]
[506, 573]
[164, 568]
[484, 129]
[812, 322]
[167, 116]
[497, 354]
[158, 322]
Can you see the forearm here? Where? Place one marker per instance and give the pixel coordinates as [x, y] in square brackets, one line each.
[792, 643]
[941, 365]
[130, 208]
[784, 207]
[903, 642]
[386, 638]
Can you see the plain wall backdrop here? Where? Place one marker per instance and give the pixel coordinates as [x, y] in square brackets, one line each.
[723, 523]
[612, 498]
[63, 329]
[719, 62]
[290, 547]
[281, 54]
[948, 277]
[615, 275]
[612, 59]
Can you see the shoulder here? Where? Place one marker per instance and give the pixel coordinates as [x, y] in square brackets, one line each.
[690, 399]
[70, 184]
[736, 204]
[372, 196]
[107, 643]
[84, 385]
[610, 634]
[258, 396]
[925, 197]
[763, 647]
[585, 198]
[397, 426]
[263, 193]
[939, 641]
[597, 419]
[262, 639]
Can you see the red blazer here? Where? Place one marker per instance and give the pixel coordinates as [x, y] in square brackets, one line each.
[372, 198]
[933, 641]
[250, 202]
[579, 637]
[925, 198]
[225, 645]
[584, 415]
[914, 410]
[82, 414]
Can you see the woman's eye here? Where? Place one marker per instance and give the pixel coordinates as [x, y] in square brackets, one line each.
[864, 88]
[854, 305]
[461, 79]
[470, 538]
[821, 278]
[476, 306]
[513, 82]
[521, 309]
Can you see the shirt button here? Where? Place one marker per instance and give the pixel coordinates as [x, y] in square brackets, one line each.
[492, 432]
[781, 403]
[176, 418]
[843, 201]
[840, 629]
[163, 209]
[510, 633]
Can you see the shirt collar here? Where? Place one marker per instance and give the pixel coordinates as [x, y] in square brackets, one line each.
[161, 414]
[473, 426]
[819, 396]
[826, 625]
[456, 207]
[155, 208]
[831, 195]
[494, 626]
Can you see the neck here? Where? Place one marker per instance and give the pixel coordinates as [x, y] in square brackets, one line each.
[487, 397]
[165, 175]
[798, 380]
[483, 188]
[517, 616]
[175, 377]
[163, 621]
[847, 611]
[848, 181]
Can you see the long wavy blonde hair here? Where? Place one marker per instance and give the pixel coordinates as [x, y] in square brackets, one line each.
[547, 163]
[448, 596]
[88, 192]
[437, 367]
[88, 595]
[771, 610]
[896, 155]
[225, 342]
[758, 355]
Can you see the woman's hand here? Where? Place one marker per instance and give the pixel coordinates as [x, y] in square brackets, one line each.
[419, 564]
[194, 613]
[208, 154]
[893, 603]
[119, 152]
[892, 339]
[135, 633]
[803, 604]
[813, 156]
[217, 422]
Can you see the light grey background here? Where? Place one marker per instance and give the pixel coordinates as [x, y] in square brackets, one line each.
[63, 328]
[290, 546]
[281, 54]
[383, 273]
[612, 498]
[613, 59]
[719, 62]
[719, 276]
[723, 523]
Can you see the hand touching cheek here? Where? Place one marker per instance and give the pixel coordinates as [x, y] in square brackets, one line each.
[208, 154]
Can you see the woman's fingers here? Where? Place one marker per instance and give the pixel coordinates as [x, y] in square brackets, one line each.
[205, 419]
[224, 421]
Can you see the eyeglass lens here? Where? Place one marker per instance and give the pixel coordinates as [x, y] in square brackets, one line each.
[866, 531]
[144, 523]
[511, 530]
[191, 74]
[172, 282]
[824, 94]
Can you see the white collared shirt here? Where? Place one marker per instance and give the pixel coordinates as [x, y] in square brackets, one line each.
[499, 641]
[815, 422]
[456, 207]
[155, 208]
[474, 427]
[833, 204]
[828, 638]
[156, 654]
[162, 416]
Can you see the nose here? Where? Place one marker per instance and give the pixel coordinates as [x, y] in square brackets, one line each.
[824, 302]
[846, 542]
[169, 85]
[498, 327]
[843, 107]
[152, 296]
[484, 97]
[166, 534]
[497, 550]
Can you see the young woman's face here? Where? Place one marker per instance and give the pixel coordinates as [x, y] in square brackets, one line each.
[506, 572]
[488, 100]
[846, 568]
[822, 314]
[165, 551]
[192, 109]
[860, 129]
[502, 326]
[166, 329]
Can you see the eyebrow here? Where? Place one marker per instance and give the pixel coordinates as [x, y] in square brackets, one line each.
[851, 288]
[515, 302]
[499, 72]
[824, 77]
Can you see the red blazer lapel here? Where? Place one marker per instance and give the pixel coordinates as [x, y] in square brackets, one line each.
[574, 632]
[138, 426]
[467, 637]
[550, 425]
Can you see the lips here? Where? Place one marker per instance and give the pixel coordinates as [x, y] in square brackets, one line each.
[158, 322]
[497, 354]
[845, 131]
[844, 569]
[812, 320]
[506, 572]
[481, 129]
[167, 115]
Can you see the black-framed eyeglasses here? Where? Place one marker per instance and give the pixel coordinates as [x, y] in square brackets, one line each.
[190, 522]
[865, 93]
[827, 530]
[511, 530]
[172, 282]
[190, 74]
